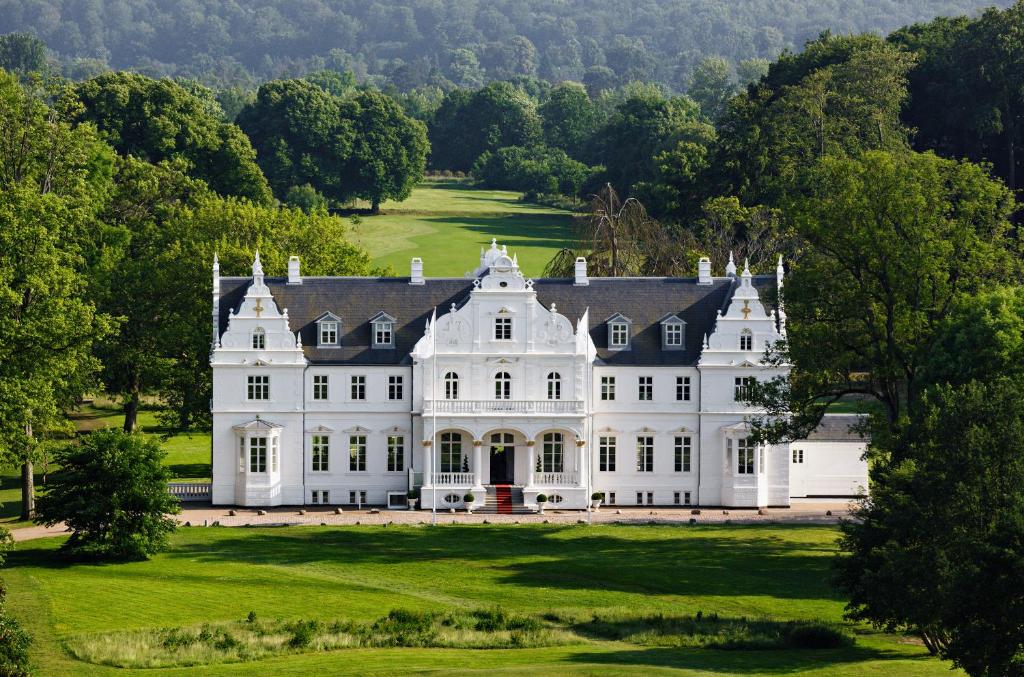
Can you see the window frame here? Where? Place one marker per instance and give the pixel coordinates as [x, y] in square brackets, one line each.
[451, 447]
[451, 385]
[357, 387]
[746, 340]
[503, 386]
[554, 385]
[258, 447]
[321, 387]
[395, 446]
[741, 384]
[607, 448]
[502, 328]
[396, 387]
[745, 454]
[683, 389]
[645, 453]
[320, 453]
[258, 388]
[331, 329]
[682, 447]
[645, 388]
[357, 452]
[552, 456]
[607, 388]
[259, 335]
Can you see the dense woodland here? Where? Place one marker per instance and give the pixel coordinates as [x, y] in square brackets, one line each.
[883, 170]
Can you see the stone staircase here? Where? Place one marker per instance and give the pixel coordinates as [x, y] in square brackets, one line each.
[504, 499]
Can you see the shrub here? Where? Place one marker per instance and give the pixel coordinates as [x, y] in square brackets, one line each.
[468, 498]
[303, 633]
[14, 644]
[542, 498]
[815, 636]
[251, 618]
[413, 493]
[597, 496]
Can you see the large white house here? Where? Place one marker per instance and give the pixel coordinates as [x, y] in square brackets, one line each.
[352, 390]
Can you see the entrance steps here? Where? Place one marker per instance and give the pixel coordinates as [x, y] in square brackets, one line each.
[504, 499]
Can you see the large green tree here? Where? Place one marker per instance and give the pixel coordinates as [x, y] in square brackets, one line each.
[569, 118]
[161, 120]
[22, 53]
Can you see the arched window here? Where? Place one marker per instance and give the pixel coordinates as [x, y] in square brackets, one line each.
[552, 458]
[503, 386]
[451, 452]
[259, 339]
[554, 386]
[746, 340]
[451, 386]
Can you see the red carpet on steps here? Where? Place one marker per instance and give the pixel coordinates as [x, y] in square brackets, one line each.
[503, 494]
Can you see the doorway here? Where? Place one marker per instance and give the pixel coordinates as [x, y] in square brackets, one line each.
[502, 458]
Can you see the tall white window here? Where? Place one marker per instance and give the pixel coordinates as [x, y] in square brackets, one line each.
[257, 454]
[608, 388]
[259, 338]
[321, 453]
[683, 388]
[745, 456]
[396, 387]
[619, 335]
[258, 388]
[383, 334]
[328, 333]
[320, 387]
[645, 388]
[503, 329]
[357, 453]
[645, 453]
[396, 453]
[552, 458]
[673, 335]
[554, 386]
[746, 340]
[683, 452]
[606, 452]
[451, 386]
[503, 386]
[358, 384]
[451, 452]
[742, 387]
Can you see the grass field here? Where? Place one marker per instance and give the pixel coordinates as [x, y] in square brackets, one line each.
[361, 573]
[446, 222]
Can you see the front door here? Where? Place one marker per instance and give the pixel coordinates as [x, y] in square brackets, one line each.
[502, 457]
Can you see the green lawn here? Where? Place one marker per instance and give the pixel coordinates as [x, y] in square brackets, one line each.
[360, 573]
[446, 222]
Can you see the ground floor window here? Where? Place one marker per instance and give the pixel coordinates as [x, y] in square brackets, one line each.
[321, 497]
[357, 453]
[451, 452]
[552, 458]
[645, 454]
[396, 453]
[681, 498]
[321, 454]
[683, 449]
[611, 498]
[257, 454]
[357, 497]
[606, 451]
[798, 456]
[745, 456]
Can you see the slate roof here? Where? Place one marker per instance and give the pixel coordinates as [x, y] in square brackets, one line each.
[837, 428]
[646, 301]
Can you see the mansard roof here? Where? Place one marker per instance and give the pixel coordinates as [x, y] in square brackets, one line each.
[648, 301]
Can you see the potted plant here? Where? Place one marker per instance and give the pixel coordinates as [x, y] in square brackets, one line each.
[468, 501]
[541, 500]
[595, 500]
[414, 496]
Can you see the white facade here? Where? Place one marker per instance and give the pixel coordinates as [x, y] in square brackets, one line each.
[497, 388]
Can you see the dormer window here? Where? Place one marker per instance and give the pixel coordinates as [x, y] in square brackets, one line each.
[746, 340]
[259, 339]
[383, 330]
[328, 329]
[619, 332]
[672, 333]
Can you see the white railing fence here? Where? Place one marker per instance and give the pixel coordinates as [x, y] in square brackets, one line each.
[569, 478]
[503, 406]
[454, 478]
[189, 491]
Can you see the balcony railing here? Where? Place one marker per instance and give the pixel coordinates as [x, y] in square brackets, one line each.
[189, 491]
[454, 479]
[502, 407]
[569, 478]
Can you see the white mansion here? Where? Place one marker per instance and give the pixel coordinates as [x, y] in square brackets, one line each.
[339, 390]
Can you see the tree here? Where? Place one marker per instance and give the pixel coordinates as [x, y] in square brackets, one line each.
[935, 549]
[888, 243]
[160, 120]
[534, 171]
[22, 53]
[569, 118]
[750, 71]
[111, 491]
[388, 152]
[712, 85]
[728, 230]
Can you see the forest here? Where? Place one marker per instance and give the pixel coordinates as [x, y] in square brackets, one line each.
[445, 43]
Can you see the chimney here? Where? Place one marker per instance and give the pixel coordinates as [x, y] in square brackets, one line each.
[704, 270]
[416, 271]
[581, 272]
[293, 270]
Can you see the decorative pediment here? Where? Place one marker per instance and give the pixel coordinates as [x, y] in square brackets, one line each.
[395, 430]
[357, 429]
[320, 429]
[618, 317]
[327, 317]
[741, 427]
[672, 319]
[382, 317]
[607, 429]
[645, 429]
[682, 429]
[748, 364]
[259, 362]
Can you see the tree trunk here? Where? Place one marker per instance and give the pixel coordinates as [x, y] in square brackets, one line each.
[131, 411]
[28, 493]
[375, 206]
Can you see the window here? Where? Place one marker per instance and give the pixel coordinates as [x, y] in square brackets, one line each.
[357, 453]
[675, 498]
[502, 386]
[259, 339]
[503, 329]
[745, 456]
[746, 340]
[611, 498]
[686, 498]
[451, 452]
[552, 457]
[328, 333]
[396, 453]
[645, 388]
[358, 497]
[259, 388]
[760, 459]
[639, 498]
[683, 449]
[451, 386]
[241, 454]
[396, 387]
[257, 454]
[743, 384]
[798, 456]
[645, 454]
[554, 386]
[321, 453]
[273, 454]
[619, 335]
[320, 390]
[608, 388]
[606, 454]
[358, 384]
[383, 334]
[650, 498]
[682, 388]
[321, 497]
[672, 335]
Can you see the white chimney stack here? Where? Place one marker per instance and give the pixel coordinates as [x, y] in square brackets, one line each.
[704, 270]
[416, 271]
[581, 272]
[293, 270]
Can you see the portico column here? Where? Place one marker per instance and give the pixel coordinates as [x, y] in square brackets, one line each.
[478, 461]
[531, 457]
[428, 463]
[581, 446]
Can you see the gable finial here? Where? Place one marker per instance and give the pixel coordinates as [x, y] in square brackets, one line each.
[730, 268]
